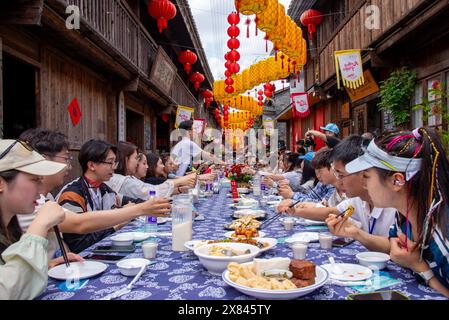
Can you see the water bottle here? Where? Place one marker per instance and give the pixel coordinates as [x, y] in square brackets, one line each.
[151, 223]
[256, 184]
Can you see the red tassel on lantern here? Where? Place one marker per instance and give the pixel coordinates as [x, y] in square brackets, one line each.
[247, 22]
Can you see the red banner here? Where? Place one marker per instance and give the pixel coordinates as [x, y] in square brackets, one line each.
[300, 105]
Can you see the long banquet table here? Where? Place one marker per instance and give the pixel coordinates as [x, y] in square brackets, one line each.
[180, 275]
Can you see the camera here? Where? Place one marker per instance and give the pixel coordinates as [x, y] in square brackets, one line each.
[309, 142]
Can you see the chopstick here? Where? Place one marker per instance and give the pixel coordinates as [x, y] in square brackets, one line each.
[61, 246]
[271, 220]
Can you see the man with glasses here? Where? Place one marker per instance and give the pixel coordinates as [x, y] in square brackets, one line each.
[89, 192]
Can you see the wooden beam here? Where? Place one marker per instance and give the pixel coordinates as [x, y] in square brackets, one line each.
[132, 85]
[21, 12]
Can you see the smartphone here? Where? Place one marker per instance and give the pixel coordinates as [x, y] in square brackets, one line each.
[104, 258]
[381, 295]
[342, 242]
[105, 249]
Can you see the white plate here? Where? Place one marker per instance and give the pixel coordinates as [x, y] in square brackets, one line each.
[322, 277]
[193, 244]
[137, 236]
[351, 272]
[81, 270]
[308, 222]
[237, 207]
[248, 212]
[229, 233]
[303, 237]
[243, 190]
[273, 203]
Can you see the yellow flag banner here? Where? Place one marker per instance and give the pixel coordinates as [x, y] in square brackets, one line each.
[183, 114]
[348, 66]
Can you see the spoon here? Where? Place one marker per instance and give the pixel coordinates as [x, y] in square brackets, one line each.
[336, 269]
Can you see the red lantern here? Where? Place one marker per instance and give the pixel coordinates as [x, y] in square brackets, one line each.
[260, 103]
[233, 43]
[311, 18]
[162, 10]
[268, 94]
[187, 58]
[207, 95]
[260, 92]
[196, 78]
[228, 65]
[233, 18]
[229, 89]
[227, 73]
[234, 67]
[260, 98]
[229, 81]
[233, 31]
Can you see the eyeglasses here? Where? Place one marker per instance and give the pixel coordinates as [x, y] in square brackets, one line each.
[23, 143]
[113, 165]
[340, 176]
[68, 159]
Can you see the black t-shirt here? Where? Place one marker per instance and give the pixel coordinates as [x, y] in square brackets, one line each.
[154, 180]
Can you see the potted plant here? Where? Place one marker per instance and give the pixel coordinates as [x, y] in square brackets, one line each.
[395, 93]
[237, 173]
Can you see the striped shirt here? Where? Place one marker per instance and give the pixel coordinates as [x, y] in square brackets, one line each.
[319, 193]
[437, 253]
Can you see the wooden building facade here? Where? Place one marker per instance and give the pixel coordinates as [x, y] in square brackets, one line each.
[410, 33]
[124, 74]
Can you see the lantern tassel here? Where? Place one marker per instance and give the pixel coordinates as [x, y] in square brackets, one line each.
[248, 22]
[256, 20]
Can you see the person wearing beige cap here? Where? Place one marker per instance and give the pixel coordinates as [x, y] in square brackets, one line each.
[23, 261]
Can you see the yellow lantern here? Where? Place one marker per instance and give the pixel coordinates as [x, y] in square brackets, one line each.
[278, 33]
[267, 19]
[249, 7]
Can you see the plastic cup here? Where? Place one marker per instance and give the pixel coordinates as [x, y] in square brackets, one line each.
[149, 249]
[299, 250]
[288, 224]
[325, 240]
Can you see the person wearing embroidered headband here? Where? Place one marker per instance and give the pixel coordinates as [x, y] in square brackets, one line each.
[410, 172]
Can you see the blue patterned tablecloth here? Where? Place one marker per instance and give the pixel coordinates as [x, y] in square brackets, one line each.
[180, 275]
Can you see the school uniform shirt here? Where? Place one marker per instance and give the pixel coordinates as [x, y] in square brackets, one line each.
[79, 197]
[26, 219]
[376, 221]
[336, 198]
[436, 254]
[184, 151]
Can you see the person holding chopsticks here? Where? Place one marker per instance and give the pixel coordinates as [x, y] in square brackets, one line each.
[24, 261]
[409, 171]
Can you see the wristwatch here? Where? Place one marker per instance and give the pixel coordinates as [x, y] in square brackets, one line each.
[426, 275]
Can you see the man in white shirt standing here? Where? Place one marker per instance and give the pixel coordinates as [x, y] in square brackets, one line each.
[185, 150]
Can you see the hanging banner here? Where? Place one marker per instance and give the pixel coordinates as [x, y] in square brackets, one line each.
[300, 105]
[183, 114]
[198, 126]
[348, 66]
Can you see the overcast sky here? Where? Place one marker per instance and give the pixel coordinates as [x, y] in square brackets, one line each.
[211, 20]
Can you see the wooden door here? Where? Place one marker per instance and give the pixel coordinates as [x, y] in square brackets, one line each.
[360, 119]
